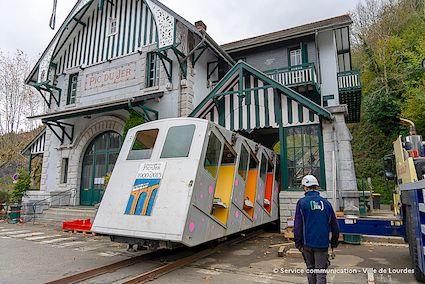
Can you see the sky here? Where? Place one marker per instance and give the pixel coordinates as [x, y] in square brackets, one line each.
[24, 24]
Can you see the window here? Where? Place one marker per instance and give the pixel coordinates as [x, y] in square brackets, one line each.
[342, 38]
[243, 163]
[178, 141]
[64, 170]
[143, 145]
[113, 27]
[152, 75]
[212, 157]
[72, 89]
[303, 152]
[295, 57]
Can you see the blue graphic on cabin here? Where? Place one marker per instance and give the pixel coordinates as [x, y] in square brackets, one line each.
[142, 197]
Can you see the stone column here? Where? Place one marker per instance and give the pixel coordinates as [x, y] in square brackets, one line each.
[346, 176]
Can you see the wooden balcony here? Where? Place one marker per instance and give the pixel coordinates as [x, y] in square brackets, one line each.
[303, 77]
[349, 81]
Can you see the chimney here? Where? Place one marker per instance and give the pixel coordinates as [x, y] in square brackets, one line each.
[201, 26]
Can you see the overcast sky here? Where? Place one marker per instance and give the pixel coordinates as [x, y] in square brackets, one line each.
[24, 24]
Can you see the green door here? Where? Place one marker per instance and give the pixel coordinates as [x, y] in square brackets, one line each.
[99, 159]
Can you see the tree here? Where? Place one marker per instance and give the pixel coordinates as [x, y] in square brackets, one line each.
[17, 99]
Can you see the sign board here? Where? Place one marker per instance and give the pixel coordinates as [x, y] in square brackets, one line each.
[145, 189]
[111, 76]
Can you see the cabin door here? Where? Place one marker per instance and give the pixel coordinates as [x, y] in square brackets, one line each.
[99, 159]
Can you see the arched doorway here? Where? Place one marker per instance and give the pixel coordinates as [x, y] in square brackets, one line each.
[98, 160]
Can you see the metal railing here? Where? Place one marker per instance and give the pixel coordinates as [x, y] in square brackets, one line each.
[294, 75]
[349, 80]
[50, 199]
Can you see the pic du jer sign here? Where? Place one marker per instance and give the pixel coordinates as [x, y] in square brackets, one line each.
[110, 76]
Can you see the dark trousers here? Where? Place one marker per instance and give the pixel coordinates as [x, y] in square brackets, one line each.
[316, 259]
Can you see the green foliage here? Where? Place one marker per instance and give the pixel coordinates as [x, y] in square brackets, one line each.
[23, 183]
[389, 49]
[4, 196]
[133, 120]
[382, 111]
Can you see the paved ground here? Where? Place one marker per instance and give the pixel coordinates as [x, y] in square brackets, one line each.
[39, 253]
[42, 252]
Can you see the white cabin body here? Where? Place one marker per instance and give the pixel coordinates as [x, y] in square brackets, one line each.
[188, 185]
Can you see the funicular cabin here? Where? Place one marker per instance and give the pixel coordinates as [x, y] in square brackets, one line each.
[187, 181]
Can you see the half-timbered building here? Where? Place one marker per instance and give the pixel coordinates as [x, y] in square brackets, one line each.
[288, 90]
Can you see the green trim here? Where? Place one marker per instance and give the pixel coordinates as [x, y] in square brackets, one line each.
[242, 66]
[244, 90]
[232, 108]
[300, 113]
[289, 106]
[322, 159]
[304, 52]
[248, 101]
[266, 107]
[257, 104]
[146, 24]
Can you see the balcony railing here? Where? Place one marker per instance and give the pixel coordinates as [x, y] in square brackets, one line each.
[304, 74]
[349, 81]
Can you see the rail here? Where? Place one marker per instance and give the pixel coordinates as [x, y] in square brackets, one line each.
[294, 75]
[157, 271]
[52, 199]
[349, 81]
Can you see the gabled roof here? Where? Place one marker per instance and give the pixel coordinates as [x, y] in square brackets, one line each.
[78, 7]
[246, 99]
[282, 35]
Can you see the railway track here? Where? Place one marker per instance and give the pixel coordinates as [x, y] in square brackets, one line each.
[155, 272]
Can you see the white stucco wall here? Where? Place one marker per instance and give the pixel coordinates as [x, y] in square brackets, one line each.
[328, 64]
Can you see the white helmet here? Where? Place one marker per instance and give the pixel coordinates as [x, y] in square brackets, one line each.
[309, 180]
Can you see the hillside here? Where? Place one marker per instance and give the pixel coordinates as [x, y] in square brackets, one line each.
[389, 48]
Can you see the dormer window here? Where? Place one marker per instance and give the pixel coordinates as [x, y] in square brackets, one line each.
[112, 27]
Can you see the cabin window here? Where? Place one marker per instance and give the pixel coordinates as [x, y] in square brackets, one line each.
[152, 75]
[295, 57]
[178, 141]
[72, 89]
[243, 163]
[143, 145]
[113, 27]
[303, 152]
[212, 157]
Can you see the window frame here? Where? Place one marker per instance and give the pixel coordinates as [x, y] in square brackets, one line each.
[134, 141]
[166, 138]
[285, 175]
[212, 132]
[64, 170]
[72, 92]
[152, 70]
[290, 51]
[111, 21]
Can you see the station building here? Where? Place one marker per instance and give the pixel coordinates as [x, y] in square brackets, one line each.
[291, 90]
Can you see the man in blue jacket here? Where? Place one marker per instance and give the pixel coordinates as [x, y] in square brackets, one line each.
[314, 221]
